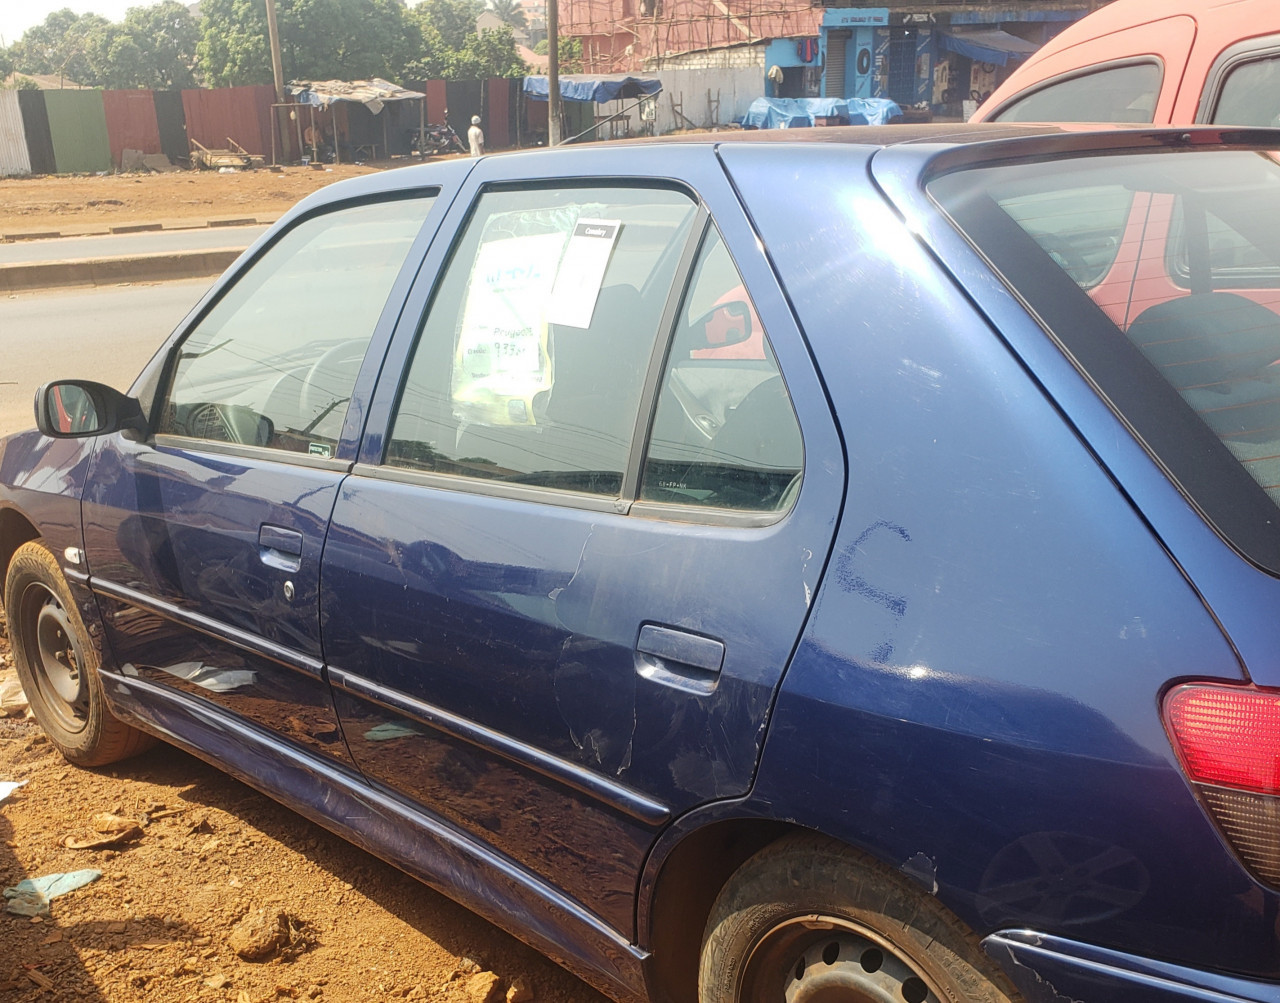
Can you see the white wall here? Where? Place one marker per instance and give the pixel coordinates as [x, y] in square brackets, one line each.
[729, 78]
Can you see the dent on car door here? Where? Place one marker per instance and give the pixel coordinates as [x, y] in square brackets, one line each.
[204, 541]
[556, 610]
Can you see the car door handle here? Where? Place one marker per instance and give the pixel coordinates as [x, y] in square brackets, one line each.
[677, 658]
[280, 548]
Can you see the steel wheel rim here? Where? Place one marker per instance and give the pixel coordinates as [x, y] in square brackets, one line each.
[825, 959]
[55, 657]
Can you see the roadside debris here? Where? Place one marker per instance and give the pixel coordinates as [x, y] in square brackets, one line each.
[112, 830]
[7, 787]
[264, 932]
[13, 702]
[31, 897]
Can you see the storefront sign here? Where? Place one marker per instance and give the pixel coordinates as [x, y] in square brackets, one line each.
[854, 17]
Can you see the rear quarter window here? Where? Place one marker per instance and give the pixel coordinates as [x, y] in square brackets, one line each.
[1123, 93]
[1191, 363]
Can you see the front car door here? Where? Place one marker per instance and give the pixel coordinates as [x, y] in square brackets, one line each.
[595, 499]
[203, 542]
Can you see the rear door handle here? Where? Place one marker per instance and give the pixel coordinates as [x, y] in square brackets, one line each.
[679, 659]
[280, 548]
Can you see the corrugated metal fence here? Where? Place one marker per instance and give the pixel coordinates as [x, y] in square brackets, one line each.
[14, 158]
[70, 131]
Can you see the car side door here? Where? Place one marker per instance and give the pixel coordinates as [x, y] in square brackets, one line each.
[203, 538]
[597, 492]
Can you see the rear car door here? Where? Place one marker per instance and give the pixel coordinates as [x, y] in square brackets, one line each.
[204, 540]
[561, 586]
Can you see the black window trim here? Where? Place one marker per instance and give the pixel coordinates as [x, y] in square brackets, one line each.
[1199, 465]
[627, 502]
[1250, 50]
[173, 350]
[1081, 71]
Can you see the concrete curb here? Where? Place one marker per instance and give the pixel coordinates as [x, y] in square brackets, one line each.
[26, 276]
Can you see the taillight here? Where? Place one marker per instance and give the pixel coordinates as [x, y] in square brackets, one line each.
[1228, 740]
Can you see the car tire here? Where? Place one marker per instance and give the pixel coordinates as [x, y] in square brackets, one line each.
[58, 666]
[807, 918]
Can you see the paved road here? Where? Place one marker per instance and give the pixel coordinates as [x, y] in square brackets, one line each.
[100, 334]
[111, 246]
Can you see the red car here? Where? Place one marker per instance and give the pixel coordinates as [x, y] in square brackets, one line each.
[1176, 62]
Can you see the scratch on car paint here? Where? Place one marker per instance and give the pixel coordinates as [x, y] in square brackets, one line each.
[594, 700]
[922, 869]
[853, 581]
[1018, 963]
[804, 572]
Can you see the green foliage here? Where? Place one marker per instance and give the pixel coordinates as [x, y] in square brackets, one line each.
[165, 36]
[542, 47]
[319, 40]
[570, 49]
[452, 50]
[6, 63]
[60, 46]
[510, 12]
[153, 47]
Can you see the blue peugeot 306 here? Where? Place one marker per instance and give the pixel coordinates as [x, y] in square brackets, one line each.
[806, 567]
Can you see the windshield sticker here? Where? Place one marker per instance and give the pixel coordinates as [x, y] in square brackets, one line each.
[577, 285]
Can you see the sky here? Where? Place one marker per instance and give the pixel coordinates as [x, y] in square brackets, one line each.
[16, 16]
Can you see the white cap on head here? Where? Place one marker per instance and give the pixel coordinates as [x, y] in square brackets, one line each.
[475, 119]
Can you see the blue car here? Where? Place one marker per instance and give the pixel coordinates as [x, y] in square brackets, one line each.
[826, 566]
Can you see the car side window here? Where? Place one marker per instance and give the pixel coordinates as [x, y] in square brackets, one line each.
[1112, 94]
[724, 434]
[274, 362]
[531, 361]
[1250, 94]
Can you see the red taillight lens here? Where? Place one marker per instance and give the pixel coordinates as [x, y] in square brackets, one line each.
[1228, 736]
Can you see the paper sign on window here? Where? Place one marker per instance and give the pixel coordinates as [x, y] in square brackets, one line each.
[577, 284]
[501, 359]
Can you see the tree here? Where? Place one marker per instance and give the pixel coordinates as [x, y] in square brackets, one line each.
[319, 40]
[510, 12]
[166, 36]
[451, 49]
[60, 46]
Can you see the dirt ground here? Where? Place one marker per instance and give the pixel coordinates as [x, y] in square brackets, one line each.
[61, 203]
[156, 925]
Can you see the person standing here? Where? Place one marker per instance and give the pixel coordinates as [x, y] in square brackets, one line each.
[475, 137]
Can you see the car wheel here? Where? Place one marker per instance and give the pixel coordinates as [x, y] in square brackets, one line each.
[57, 665]
[807, 920]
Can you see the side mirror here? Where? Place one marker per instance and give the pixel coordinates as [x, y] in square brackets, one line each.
[76, 409]
[725, 324]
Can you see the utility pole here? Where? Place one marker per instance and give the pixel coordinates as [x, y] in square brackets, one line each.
[273, 36]
[553, 73]
[277, 71]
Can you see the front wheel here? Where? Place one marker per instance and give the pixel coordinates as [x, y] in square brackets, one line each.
[807, 920]
[57, 666]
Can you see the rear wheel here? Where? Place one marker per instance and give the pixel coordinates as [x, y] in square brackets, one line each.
[808, 920]
[57, 665]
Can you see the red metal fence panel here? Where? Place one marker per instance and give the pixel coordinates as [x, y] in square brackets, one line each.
[242, 114]
[131, 122]
[497, 123]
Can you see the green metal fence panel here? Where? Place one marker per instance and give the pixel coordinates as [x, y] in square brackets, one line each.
[78, 127]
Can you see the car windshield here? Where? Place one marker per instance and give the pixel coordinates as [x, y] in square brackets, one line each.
[1159, 275]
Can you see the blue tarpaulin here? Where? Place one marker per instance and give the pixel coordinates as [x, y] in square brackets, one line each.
[799, 113]
[992, 46]
[591, 87]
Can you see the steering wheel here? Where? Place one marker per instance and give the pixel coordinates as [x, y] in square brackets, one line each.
[337, 368]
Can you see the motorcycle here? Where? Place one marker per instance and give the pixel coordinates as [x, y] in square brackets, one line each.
[434, 140]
